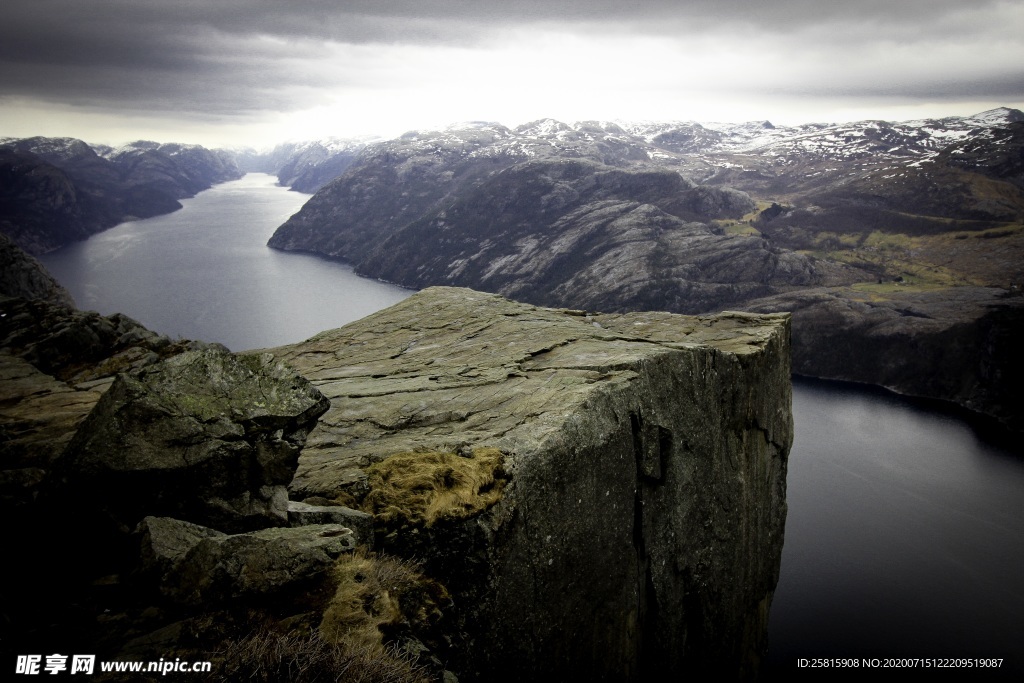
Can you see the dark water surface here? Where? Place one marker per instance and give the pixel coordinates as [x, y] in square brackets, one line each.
[205, 272]
[905, 534]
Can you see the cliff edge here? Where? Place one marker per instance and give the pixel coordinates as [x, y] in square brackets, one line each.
[496, 491]
[604, 495]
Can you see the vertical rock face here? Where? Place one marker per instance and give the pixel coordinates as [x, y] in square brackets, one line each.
[604, 495]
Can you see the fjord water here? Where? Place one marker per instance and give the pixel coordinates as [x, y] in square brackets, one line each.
[205, 272]
[904, 537]
[905, 534]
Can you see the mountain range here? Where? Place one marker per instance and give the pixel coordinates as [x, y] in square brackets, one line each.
[897, 245]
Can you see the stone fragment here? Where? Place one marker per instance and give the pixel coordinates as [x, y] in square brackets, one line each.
[256, 565]
[165, 541]
[304, 514]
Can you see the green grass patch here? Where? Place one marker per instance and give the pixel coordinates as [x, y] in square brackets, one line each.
[739, 228]
[1002, 230]
[888, 288]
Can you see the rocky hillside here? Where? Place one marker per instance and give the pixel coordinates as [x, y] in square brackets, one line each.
[495, 492]
[58, 190]
[22, 276]
[692, 217]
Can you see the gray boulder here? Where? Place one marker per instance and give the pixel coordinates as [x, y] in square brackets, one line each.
[165, 541]
[255, 565]
[206, 436]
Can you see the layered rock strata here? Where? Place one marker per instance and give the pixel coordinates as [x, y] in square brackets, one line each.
[604, 495]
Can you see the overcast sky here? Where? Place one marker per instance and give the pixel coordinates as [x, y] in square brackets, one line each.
[262, 71]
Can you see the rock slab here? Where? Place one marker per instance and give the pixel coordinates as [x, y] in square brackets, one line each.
[199, 566]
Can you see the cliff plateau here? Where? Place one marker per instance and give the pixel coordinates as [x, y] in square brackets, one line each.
[548, 493]
[604, 495]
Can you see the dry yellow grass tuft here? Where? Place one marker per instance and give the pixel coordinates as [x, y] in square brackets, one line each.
[378, 596]
[420, 488]
[267, 657]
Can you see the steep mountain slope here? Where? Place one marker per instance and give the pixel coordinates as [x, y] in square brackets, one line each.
[691, 217]
[312, 165]
[24, 277]
[558, 231]
[41, 207]
[57, 190]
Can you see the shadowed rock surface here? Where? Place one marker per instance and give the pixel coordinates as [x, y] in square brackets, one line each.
[601, 493]
[55, 363]
[57, 190]
[22, 276]
[549, 493]
[960, 344]
[255, 566]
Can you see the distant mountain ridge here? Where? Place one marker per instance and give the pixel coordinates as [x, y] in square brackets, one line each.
[304, 166]
[916, 176]
[898, 237]
[57, 190]
[757, 156]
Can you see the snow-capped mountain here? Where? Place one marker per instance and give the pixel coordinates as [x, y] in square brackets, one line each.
[747, 154]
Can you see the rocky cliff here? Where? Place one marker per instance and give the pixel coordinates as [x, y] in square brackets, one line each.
[549, 494]
[22, 276]
[959, 345]
[604, 495]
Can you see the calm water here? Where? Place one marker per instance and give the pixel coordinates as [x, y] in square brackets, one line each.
[205, 272]
[905, 534]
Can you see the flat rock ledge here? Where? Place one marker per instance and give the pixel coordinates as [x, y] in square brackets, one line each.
[604, 495]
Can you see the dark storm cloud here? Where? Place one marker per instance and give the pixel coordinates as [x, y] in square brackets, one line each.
[235, 56]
